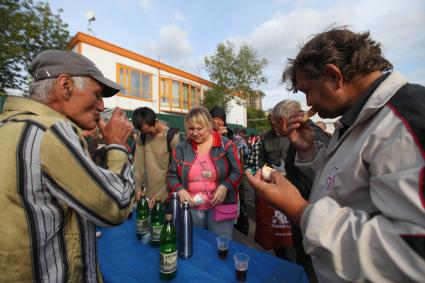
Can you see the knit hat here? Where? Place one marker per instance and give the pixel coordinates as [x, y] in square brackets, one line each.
[218, 111]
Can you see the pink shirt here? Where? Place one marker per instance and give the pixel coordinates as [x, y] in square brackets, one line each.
[202, 180]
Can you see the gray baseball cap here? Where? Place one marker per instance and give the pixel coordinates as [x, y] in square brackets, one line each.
[52, 63]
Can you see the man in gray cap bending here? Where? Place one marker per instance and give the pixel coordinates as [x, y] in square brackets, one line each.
[52, 194]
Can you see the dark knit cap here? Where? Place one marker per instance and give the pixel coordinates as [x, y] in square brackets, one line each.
[218, 111]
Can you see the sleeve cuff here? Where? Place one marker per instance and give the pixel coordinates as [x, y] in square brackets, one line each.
[179, 189]
[116, 156]
[304, 218]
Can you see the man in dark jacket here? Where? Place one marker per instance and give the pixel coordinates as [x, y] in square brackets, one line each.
[281, 113]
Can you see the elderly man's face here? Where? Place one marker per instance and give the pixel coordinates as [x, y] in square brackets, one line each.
[280, 126]
[84, 106]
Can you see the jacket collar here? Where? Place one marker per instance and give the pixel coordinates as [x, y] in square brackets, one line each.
[351, 115]
[386, 86]
[16, 103]
[217, 140]
[28, 105]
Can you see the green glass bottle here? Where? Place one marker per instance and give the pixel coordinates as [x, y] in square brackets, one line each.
[142, 217]
[168, 250]
[157, 221]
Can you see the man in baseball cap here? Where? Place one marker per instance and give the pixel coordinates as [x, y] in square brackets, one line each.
[54, 193]
[52, 63]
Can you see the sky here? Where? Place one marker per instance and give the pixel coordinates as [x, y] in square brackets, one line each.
[181, 33]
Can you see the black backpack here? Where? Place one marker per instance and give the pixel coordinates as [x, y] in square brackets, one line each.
[170, 135]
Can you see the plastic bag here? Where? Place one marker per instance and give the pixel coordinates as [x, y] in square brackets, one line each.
[273, 229]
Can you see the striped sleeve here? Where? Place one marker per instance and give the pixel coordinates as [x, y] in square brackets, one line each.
[234, 177]
[174, 183]
[139, 168]
[104, 197]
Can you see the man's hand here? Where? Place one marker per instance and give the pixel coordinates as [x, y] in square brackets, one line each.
[301, 135]
[117, 130]
[280, 193]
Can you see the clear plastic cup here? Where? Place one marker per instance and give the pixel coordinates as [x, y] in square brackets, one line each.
[241, 266]
[222, 246]
[106, 115]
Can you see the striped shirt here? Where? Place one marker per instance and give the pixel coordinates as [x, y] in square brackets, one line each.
[53, 195]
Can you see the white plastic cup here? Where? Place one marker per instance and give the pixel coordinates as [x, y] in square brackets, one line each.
[241, 266]
[106, 115]
[222, 246]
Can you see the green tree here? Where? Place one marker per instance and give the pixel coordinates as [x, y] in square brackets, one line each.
[234, 72]
[257, 119]
[28, 29]
[216, 96]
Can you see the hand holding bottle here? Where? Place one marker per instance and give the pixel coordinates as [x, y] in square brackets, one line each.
[185, 196]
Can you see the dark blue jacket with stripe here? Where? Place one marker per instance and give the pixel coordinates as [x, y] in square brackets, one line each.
[224, 156]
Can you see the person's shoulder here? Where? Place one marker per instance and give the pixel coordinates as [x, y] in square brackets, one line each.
[224, 139]
[46, 121]
[409, 101]
[408, 104]
[183, 144]
[56, 122]
[269, 134]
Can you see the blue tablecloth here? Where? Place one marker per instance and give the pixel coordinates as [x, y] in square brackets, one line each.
[124, 259]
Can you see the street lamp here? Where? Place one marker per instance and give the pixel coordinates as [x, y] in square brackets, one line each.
[90, 17]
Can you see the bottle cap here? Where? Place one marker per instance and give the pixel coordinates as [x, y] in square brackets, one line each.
[143, 194]
[168, 216]
[158, 198]
[186, 203]
[175, 194]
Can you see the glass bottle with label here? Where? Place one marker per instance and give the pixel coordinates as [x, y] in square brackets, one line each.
[168, 250]
[142, 217]
[157, 221]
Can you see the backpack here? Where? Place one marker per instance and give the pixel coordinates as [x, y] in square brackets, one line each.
[170, 135]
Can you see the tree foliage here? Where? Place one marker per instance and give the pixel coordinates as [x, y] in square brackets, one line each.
[234, 72]
[28, 29]
[257, 119]
[216, 96]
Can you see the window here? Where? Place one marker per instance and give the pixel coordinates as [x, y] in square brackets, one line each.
[175, 94]
[165, 94]
[136, 83]
[185, 92]
[181, 95]
[146, 85]
[192, 97]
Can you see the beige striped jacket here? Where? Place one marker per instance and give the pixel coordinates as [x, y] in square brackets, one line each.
[53, 196]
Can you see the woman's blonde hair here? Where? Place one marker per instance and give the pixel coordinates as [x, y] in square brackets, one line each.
[199, 116]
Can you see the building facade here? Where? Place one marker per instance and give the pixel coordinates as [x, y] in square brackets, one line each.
[147, 82]
[256, 101]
